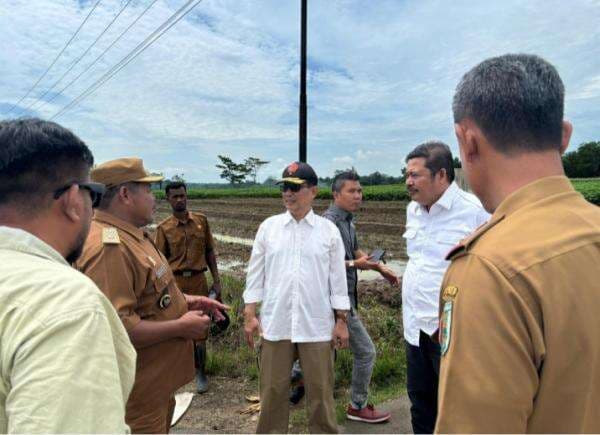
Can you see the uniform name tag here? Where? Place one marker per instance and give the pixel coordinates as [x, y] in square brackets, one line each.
[161, 271]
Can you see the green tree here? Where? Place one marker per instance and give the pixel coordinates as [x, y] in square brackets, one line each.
[235, 173]
[583, 162]
[253, 164]
[456, 163]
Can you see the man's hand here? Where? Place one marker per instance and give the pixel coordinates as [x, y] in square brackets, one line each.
[365, 263]
[251, 324]
[217, 286]
[340, 335]
[388, 274]
[194, 325]
[207, 305]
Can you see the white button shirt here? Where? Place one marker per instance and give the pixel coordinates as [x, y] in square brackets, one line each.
[298, 274]
[429, 237]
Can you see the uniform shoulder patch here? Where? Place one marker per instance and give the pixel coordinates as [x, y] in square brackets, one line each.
[110, 236]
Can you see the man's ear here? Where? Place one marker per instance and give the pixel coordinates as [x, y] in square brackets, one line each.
[469, 138]
[314, 190]
[567, 131]
[125, 194]
[72, 204]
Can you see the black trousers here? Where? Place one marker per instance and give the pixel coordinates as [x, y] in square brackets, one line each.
[423, 372]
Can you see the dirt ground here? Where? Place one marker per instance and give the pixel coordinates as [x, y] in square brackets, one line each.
[379, 224]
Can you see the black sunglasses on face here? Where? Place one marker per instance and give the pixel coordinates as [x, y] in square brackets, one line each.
[291, 186]
[96, 191]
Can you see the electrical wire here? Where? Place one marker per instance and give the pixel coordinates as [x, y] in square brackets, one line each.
[74, 64]
[61, 92]
[56, 58]
[139, 49]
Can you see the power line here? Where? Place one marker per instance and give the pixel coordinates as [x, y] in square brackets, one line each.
[56, 58]
[61, 92]
[139, 49]
[80, 57]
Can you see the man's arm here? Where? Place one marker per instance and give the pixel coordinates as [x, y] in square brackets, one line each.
[363, 262]
[338, 287]
[255, 281]
[491, 352]
[68, 378]
[211, 260]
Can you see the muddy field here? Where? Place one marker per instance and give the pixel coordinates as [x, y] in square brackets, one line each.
[379, 224]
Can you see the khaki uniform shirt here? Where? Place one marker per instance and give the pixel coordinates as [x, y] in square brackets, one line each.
[125, 264]
[520, 323]
[66, 362]
[185, 243]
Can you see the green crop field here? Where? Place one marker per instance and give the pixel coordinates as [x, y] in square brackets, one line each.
[590, 188]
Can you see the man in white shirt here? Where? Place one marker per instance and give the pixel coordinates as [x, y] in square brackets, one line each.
[297, 273]
[438, 217]
[66, 363]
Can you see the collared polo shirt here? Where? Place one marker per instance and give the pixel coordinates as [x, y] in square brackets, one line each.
[429, 237]
[297, 272]
[66, 362]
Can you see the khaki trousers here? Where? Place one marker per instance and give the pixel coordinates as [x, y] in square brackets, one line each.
[316, 360]
[152, 419]
[193, 285]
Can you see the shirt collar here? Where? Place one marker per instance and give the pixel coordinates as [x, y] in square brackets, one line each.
[309, 218]
[340, 212]
[107, 218]
[23, 241]
[182, 222]
[446, 200]
[534, 191]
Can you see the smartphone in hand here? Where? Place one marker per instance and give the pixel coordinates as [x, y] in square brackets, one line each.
[377, 255]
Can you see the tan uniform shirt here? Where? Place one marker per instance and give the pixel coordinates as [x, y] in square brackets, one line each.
[185, 243]
[125, 264]
[520, 323]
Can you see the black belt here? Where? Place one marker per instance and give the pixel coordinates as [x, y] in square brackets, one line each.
[188, 273]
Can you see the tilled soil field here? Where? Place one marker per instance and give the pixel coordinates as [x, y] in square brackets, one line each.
[379, 224]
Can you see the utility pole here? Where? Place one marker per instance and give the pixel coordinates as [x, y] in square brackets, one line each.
[302, 124]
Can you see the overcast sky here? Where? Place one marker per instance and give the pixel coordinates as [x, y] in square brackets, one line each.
[224, 80]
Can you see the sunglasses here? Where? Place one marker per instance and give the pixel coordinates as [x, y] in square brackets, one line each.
[96, 191]
[293, 187]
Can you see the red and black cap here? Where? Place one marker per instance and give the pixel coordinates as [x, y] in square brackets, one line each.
[299, 173]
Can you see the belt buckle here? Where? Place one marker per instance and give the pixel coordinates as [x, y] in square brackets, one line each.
[187, 273]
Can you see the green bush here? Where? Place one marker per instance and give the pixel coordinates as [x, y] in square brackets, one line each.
[590, 189]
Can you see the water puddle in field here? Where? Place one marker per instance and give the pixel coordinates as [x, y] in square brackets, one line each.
[398, 266]
[230, 239]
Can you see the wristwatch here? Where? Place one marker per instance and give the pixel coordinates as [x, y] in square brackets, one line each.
[341, 315]
[351, 264]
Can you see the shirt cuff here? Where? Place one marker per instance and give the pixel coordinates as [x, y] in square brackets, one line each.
[253, 296]
[340, 302]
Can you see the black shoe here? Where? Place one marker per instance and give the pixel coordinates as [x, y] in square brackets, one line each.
[297, 394]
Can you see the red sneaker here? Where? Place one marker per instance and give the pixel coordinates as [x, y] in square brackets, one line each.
[368, 414]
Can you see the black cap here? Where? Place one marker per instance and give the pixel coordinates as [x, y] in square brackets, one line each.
[298, 173]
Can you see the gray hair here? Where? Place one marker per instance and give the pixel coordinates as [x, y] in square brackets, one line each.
[516, 99]
[437, 156]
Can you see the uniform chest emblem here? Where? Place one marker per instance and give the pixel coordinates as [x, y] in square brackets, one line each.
[446, 327]
[164, 301]
[448, 297]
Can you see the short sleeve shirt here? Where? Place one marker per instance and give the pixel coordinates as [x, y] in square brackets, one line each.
[136, 277]
[185, 243]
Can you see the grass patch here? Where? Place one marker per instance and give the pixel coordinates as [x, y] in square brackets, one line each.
[229, 355]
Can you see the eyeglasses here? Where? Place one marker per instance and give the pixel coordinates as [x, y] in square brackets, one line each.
[293, 187]
[96, 191]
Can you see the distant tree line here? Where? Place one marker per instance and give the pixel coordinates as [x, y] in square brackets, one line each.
[240, 173]
[583, 162]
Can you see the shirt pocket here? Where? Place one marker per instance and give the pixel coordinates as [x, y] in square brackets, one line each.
[410, 237]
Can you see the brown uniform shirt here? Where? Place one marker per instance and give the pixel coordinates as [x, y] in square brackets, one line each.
[520, 323]
[185, 243]
[134, 276]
